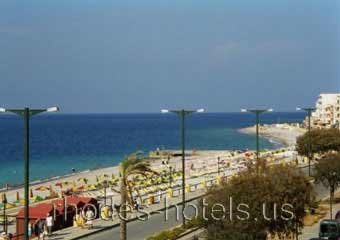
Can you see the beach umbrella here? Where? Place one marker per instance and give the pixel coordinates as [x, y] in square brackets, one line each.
[3, 198]
[81, 188]
[38, 198]
[105, 176]
[59, 184]
[66, 183]
[84, 180]
[113, 182]
[42, 188]
[97, 185]
[10, 205]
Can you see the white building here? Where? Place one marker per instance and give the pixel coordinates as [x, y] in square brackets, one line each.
[327, 113]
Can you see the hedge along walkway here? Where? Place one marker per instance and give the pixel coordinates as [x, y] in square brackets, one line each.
[73, 233]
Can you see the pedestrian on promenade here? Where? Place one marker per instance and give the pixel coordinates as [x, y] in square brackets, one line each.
[89, 218]
[35, 229]
[135, 203]
[40, 229]
[3, 236]
[49, 224]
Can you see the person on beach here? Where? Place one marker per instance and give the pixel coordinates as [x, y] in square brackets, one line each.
[49, 224]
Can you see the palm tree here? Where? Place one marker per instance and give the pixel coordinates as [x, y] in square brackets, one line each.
[133, 165]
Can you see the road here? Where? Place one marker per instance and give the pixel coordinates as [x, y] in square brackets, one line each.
[138, 230]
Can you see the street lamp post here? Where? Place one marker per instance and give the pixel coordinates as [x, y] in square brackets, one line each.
[166, 164]
[171, 175]
[26, 113]
[331, 195]
[4, 220]
[183, 113]
[309, 112]
[105, 183]
[257, 112]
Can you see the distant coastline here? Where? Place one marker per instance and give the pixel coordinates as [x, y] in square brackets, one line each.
[285, 134]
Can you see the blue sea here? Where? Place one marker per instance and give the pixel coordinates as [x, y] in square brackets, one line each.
[60, 142]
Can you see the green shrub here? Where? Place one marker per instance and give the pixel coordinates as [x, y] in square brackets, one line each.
[176, 232]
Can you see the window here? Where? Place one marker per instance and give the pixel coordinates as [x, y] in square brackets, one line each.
[328, 228]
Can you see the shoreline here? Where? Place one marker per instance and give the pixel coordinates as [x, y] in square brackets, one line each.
[285, 134]
[93, 174]
[281, 135]
[271, 132]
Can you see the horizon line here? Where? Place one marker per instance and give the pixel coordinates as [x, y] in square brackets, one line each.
[206, 112]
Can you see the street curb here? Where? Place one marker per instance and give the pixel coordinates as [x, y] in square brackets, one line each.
[134, 219]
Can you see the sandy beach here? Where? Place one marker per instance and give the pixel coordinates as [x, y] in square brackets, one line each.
[282, 133]
[201, 158]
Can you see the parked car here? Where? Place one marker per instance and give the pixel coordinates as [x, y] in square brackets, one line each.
[337, 216]
[329, 229]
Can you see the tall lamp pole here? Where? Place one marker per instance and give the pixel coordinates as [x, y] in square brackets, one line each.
[257, 112]
[4, 202]
[331, 195]
[309, 112]
[183, 113]
[26, 113]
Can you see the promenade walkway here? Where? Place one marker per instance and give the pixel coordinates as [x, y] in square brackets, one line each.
[73, 233]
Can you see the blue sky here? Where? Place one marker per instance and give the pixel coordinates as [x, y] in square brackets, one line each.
[140, 56]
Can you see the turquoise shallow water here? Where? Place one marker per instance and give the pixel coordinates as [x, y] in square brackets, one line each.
[60, 142]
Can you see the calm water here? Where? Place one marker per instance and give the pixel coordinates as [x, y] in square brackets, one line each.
[60, 142]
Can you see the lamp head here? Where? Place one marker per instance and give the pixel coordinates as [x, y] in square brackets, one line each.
[244, 110]
[201, 110]
[164, 111]
[52, 109]
[2, 110]
[270, 110]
